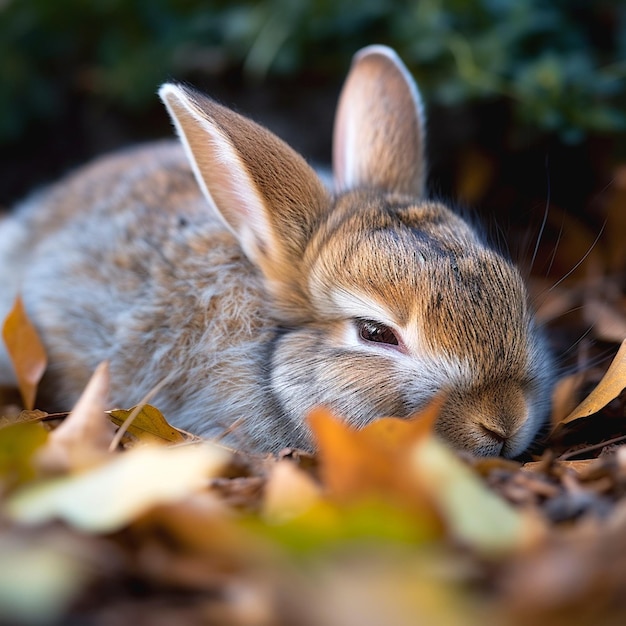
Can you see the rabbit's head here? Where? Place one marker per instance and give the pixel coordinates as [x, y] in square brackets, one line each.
[382, 299]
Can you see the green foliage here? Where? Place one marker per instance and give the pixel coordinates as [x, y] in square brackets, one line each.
[562, 64]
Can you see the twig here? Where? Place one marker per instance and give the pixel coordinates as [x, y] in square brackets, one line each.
[567, 455]
[135, 412]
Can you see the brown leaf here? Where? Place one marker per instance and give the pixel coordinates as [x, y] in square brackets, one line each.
[578, 254]
[289, 492]
[83, 438]
[476, 175]
[564, 397]
[611, 385]
[553, 302]
[148, 425]
[616, 222]
[26, 351]
[609, 323]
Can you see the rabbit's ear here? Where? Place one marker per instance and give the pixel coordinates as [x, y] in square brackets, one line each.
[265, 192]
[379, 127]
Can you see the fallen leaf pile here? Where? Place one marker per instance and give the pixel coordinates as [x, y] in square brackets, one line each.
[115, 517]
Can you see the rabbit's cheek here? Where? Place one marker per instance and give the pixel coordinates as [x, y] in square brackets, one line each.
[360, 381]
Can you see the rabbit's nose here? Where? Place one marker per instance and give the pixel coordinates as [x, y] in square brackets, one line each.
[496, 432]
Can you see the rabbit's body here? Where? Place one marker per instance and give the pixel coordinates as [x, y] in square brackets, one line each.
[278, 297]
[159, 293]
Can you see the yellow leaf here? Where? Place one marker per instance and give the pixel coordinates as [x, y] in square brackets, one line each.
[611, 385]
[473, 514]
[18, 444]
[26, 351]
[111, 496]
[147, 425]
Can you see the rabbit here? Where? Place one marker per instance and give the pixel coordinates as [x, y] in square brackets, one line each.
[220, 271]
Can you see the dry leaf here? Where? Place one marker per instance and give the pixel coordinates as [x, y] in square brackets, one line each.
[553, 302]
[289, 492]
[83, 438]
[148, 425]
[113, 495]
[26, 351]
[18, 444]
[616, 222]
[577, 256]
[475, 176]
[388, 588]
[564, 397]
[34, 415]
[611, 385]
[402, 461]
[609, 323]
[369, 461]
[579, 466]
[42, 580]
[473, 514]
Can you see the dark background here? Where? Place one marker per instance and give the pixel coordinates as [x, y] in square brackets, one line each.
[526, 100]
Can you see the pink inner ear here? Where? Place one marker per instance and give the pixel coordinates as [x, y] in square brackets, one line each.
[266, 193]
[220, 173]
[378, 137]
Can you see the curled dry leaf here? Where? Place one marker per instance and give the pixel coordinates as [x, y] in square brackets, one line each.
[611, 385]
[26, 351]
[83, 438]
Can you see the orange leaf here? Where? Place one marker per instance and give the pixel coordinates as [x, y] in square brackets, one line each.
[611, 385]
[373, 460]
[26, 351]
[400, 434]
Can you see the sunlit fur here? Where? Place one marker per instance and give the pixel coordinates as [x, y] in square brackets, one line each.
[222, 266]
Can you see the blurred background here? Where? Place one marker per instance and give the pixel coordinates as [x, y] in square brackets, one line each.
[526, 99]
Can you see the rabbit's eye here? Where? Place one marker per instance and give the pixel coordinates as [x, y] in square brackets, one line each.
[376, 332]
